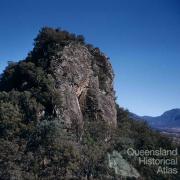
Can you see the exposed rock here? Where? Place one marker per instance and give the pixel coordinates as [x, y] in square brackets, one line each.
[84, 80]
[121, 166]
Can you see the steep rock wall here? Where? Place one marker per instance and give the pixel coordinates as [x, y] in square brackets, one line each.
[84, 80]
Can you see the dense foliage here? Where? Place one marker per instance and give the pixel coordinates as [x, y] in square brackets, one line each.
[139, 136]
[34, 144]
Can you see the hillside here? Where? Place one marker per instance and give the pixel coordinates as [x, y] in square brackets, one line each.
[59, 118]
[169, 119]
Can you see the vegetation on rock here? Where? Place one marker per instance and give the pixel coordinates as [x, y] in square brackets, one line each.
[35, 142]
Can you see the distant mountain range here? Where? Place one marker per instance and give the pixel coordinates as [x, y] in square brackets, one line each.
[169, 119]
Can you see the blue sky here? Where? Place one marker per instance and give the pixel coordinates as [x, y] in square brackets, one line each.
[141, 37]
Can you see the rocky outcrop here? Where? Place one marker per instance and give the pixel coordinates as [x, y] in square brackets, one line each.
[84, 80]
[121, 166]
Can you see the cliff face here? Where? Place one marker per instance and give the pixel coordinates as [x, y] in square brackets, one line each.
[81, 75]
[84, 81]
